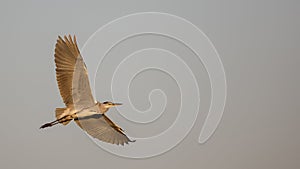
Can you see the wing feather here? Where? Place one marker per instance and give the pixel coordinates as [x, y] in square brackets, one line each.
[70, 65]
[99, 126]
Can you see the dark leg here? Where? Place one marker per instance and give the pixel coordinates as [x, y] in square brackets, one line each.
[61, 120]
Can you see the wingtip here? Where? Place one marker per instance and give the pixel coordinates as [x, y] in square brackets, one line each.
[59, 38]
[66, 37]
[130, 141]
[74, 38]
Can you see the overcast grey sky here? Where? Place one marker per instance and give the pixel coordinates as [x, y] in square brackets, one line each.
[258, 42]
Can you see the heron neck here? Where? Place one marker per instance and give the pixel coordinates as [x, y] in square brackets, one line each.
[102, 108]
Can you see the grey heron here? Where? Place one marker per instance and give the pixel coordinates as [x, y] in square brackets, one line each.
[73, 84]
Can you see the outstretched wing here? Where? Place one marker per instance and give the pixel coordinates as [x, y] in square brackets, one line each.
[71, 74]
[101, 127]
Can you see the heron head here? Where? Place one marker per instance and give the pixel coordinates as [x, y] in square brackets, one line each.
[108, 104]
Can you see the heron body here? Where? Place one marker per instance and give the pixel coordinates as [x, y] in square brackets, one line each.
[73, 83]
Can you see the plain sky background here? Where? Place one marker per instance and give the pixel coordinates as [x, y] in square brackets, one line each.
[258, 42]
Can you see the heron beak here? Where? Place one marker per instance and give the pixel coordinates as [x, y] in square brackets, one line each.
[117, 104]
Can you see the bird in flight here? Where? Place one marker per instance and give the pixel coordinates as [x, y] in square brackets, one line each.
[74, 87]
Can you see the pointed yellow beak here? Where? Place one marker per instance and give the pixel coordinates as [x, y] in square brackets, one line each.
[117, 104]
